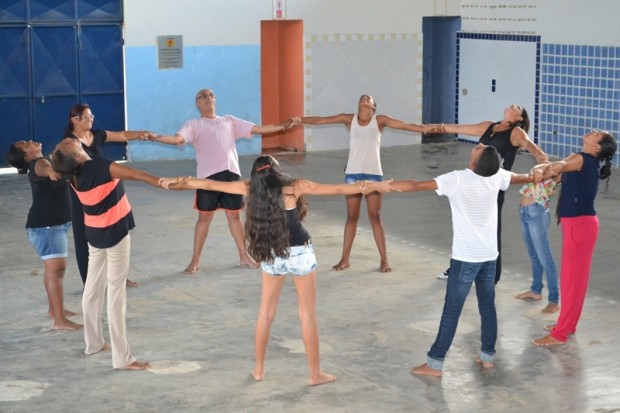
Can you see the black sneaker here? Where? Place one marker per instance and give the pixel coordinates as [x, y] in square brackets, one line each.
[444, 275]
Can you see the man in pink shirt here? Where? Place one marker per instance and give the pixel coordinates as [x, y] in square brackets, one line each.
[214, 140]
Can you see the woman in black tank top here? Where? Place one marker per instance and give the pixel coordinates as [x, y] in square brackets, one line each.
[507, 136]
[48, 221]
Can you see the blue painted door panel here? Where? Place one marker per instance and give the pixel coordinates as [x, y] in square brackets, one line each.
[15, 108]
[54, 79]
[56, 53]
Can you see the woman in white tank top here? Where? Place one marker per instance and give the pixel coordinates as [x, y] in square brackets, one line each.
[364, 163]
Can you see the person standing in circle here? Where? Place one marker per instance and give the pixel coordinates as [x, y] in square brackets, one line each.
[364, 163]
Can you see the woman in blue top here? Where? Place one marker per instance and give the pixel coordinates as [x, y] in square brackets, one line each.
[581, 173]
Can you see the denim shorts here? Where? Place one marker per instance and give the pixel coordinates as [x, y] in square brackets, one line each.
[49, 242]
[301, 261]
[353, 178]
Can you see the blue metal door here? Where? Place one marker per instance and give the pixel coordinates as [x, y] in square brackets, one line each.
[54, 54]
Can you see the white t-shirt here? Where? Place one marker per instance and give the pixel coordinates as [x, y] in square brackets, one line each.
[215, 143]
[473, 201]
[364, 147]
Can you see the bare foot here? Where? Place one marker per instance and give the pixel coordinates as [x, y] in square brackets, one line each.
[131, 283]
[550, 327]
[258, 376]
[191, 268]
[248, 262]
[551, 308]
[322, 379]
[425, 370]
[136, 365]
[385, 266]
[68, 313]
[485, 364]
[67, 325]
[547, 341]
[342, 265]
[529, 296]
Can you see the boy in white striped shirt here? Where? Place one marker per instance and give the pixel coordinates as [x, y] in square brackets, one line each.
[472, 193]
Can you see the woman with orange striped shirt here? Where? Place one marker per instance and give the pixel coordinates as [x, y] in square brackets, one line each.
[108, 220]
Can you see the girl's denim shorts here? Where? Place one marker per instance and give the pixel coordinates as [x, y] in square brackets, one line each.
[301, 261]
[49, 242]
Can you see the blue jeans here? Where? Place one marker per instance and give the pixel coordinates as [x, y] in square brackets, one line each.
[535, 228]
[462, 275]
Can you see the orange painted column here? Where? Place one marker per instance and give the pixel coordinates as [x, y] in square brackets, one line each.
[282, 81]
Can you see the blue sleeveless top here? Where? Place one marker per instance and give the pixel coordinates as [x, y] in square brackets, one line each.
[579, 189]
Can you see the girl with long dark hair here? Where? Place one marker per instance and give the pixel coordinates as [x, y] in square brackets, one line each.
[277, 239]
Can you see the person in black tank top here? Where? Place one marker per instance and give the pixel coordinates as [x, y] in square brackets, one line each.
[277, 239]
[49, 219]
[507, 136]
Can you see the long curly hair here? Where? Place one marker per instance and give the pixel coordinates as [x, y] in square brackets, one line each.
[266, 224]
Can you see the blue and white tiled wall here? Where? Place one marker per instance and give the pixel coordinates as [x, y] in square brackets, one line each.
[577, 90]
[580, 91]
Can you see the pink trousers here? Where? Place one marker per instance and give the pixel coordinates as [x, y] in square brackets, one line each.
[579, 236]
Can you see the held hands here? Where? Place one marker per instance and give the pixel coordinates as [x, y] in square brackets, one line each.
[145, 135]
[178, 183]
[151, 136]
[434, 128]
[536, 173]
[382, 187]
[291, 123]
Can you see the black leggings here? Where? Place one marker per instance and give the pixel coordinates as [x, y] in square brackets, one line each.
[79, 236]
[498, 265]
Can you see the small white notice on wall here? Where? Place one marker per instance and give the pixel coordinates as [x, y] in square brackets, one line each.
[278, 9]
[170, 52]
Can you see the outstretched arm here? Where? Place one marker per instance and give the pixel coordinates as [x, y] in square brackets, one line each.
[471, 130]
[280, 127]
[390, 122]
[414, 186]
[344, 118]
[119, 171]
[167, 139]
[235, 187]
[522, 178]
[573, 162]
[127, 135]
[306, 187]
[519, 138]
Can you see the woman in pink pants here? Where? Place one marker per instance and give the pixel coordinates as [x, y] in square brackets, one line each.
[580, 175]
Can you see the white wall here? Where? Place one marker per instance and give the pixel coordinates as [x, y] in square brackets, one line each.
[221, 35]
[593, 22]
[235, 22]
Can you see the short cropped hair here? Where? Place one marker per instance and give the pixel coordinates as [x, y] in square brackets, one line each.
[489, 162]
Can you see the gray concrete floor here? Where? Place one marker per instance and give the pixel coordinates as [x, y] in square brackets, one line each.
[198, 330]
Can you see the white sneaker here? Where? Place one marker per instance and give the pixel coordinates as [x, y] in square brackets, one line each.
[444, 275]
